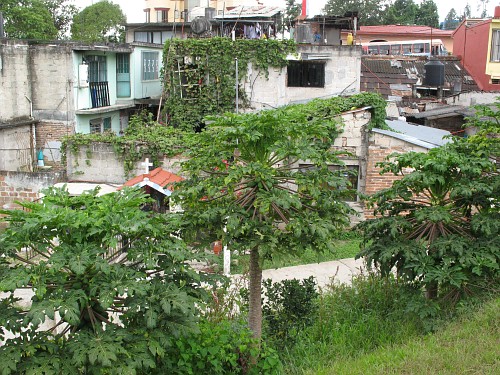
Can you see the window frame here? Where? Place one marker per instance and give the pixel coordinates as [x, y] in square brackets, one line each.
[306, 73]
[163, 13]
[100, 125]
[150, 65]
[98, 69]
[495, 45]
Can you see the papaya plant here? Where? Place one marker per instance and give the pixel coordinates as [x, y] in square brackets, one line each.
[439, 224]
[114, 281]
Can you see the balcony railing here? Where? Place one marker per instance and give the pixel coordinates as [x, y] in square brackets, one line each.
[99, 94]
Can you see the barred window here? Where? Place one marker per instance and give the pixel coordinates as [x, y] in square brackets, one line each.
[150, 67]
[306, 74]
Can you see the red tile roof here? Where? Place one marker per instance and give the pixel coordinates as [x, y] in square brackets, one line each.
[402, 30]
[157, 176]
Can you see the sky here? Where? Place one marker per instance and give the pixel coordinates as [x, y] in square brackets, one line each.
[133, 9]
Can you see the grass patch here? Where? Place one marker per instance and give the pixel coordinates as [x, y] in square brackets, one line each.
[351, 321]
[469, 345]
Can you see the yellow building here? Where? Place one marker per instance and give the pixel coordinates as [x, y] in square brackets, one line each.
[185, 10]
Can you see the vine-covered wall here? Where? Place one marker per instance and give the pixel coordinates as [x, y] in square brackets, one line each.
[146, 138]
[199, 75]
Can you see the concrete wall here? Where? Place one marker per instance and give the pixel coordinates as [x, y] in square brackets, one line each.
[472, 98]
[342, 76]
[100, 163]
[15, 81]
[25, 186]
[51, 68]
[16, 148]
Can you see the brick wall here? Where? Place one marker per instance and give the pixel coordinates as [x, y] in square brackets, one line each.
[25, 186]
[48, 138]
[379, 148]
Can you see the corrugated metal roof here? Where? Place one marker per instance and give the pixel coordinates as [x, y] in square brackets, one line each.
[243, 11]
[419, 135]
[383, 74]
[443, 111]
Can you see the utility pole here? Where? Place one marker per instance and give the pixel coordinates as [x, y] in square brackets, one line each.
[2, 35]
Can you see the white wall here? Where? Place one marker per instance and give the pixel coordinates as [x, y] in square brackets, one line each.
[342, 76]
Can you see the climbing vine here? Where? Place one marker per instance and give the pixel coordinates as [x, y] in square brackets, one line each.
[144, 137]
[200, 75]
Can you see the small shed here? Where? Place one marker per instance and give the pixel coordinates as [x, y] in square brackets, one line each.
[158, 184]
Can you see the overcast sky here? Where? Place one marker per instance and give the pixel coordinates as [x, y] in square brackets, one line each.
[133, 9]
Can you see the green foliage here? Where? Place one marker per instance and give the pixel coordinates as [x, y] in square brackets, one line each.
[100, 22]
[222, 347]
[427, 14]
[452, 20]
[467, 345]
[244, 171]
[439, 225]
[292, 10]
[62, 15]
[247, 188]
[401, 12]
[370, 11]
[28, 19]
[352, 320]
[288, 308]
[116, 282]
[143, 138]
[200, 78]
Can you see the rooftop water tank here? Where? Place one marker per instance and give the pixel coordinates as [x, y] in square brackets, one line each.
[434, 73]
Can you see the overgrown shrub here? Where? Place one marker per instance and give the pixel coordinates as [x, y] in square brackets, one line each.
[289, 306]
[352, 320]
[222, 347]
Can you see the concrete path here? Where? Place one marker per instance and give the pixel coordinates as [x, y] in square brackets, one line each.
[338, 271]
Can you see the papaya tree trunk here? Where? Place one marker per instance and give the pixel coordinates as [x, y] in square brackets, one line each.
[431, 290]
[255, 299]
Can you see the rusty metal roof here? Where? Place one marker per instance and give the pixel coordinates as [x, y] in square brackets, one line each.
[395, 76]
[243, 11]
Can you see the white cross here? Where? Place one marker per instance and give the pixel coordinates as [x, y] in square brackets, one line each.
[146, 164]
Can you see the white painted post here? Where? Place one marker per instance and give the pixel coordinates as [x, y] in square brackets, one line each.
[227, 258]
[227, 261]
[146, 164]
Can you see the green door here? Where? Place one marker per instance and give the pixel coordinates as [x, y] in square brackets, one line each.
[123, 75]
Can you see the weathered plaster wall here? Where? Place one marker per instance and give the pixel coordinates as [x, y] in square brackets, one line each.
[473, 98]
[51, 70]
[16, 148]
[100, 163]
[15, 81]
[342, 75]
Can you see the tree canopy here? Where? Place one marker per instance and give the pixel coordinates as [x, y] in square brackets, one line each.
[401, 12]
[102, 21]
[28, 19]
[427, 14]
[292, 10]
[370, 11]
[114, 279]
[247, 188]
[452, 20]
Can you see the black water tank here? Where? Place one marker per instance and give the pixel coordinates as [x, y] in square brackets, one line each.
[434, 73]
